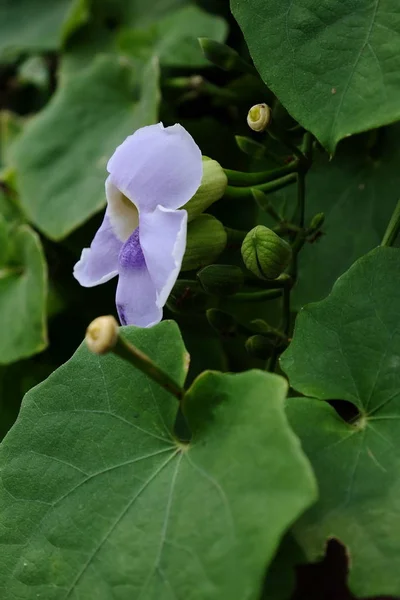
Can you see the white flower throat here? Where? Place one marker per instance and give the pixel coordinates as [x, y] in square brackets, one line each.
[123, 214]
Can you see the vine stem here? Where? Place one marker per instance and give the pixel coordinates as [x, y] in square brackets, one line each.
[232, 192]
[103, 336]
[393, 227]
[243, 179]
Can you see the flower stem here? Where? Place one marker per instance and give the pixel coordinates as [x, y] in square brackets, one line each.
[256, 296]
[239, 178]
[232, 192]
[103, 336]
[282, 137]
[393, 227]
[235, 236]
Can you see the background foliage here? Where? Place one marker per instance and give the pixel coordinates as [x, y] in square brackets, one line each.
[100, 489]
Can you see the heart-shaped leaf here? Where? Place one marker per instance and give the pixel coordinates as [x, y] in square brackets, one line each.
[62, 154]
[334, 65]
[100, 499]
[347, 347]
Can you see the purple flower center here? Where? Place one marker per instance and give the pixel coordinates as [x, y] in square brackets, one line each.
[131, 255]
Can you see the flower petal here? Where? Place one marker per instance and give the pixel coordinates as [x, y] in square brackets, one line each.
[157, 165]
[99, 263]
[123, 214]
[163, 241]
[136, 292]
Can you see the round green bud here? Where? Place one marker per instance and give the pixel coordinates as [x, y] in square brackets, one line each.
[206, 239]
[259, 117]
[212, 188]
[264, 253]
[222, 280]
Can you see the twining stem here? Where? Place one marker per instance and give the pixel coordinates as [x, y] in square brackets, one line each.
[239, 178]
[232, 192]
[286, 310]
[393, 227]
[300, 238]
[235, 236]
[103, 336]
[301, 197]
[256, 296]
[286, 141]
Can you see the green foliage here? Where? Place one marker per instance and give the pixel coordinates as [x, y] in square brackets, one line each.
[174, 38]
[108, 488]
[32, 25]
[60, 163]
[357, 192]
[334, 66]
[23, 287]
[96, 425]
[347, 347]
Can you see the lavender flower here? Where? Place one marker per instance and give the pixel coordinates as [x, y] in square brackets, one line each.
[143, 236]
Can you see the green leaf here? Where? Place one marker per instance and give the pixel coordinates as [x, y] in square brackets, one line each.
[62, 154]
[23, 289]
[347, 347]
[357, 194]
[100, 499]
[174, 38]
[335, 66]
[36, 25]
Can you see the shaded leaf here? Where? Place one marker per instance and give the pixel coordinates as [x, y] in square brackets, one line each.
[34, 25]
[334, 65]
[99, 498]
[347, 347]
[357, 194]
[62, 154]
[23, 289]
[174, 38]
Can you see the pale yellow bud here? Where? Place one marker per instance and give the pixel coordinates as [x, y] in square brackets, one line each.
[259, 117]
[102, 335]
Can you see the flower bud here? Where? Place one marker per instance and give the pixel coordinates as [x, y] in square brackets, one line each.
[212, 188]
[250, 147]
[206, 239]
[316, 222]
[259, 117]
[222, 280]
[259, 346]
[264, 253]
[221, 321]
[102, 335]
[223, 56]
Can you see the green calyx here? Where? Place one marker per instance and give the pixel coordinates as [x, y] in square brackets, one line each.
[206, 239]
[212, 188]
[222, 280]
[264, 253]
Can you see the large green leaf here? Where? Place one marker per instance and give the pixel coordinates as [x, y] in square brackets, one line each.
[357, 194]
[23, 290]
[347, 347]
[334, 65]
[99, 499]
[32, 25]
[174, 38]
[61, 155]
